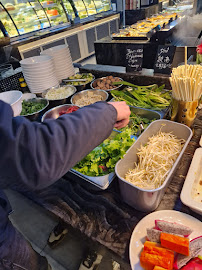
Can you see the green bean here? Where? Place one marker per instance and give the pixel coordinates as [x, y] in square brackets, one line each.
[150, 97]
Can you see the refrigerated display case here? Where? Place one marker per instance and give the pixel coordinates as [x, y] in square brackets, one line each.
[24, 16]
[7, 23]
[85, 8]
[30, 26]
[54, 11]
[76, 8]
[103, 5]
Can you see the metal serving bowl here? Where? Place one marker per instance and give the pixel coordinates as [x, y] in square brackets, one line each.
[37, 115]
[54, 113]
[57, 102]
[94, 83]
[83, 93]
[81, 87]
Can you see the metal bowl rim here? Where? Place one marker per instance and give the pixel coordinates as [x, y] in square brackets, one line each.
[30, 99]
[107, 95]
[62, 105]
[52, 100]
[91, 85]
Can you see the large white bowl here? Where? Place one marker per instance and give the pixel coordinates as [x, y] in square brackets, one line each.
[63, 64]
[38, 69]
[45, 84]
[36, 60]
[37, 78]
[14, 99]
[64, 61]
[65, 73]
[69, 69]
[36, 66]
[41, 87]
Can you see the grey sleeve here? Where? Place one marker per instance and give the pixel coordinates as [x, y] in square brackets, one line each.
[35, 154]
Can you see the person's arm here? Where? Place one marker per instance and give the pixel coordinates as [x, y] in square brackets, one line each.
[35, 155]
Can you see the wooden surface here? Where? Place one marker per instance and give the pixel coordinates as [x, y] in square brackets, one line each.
[102, 215]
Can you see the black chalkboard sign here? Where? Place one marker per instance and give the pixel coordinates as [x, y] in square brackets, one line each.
[134, 57]
[164, 59]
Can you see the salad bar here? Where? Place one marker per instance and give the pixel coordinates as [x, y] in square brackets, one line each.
[138, 169]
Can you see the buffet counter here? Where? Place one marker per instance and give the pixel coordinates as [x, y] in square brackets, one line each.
[101, 215]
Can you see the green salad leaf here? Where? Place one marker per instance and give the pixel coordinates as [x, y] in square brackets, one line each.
[102, 159]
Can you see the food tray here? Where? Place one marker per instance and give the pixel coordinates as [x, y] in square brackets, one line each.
[192, 180]
[145, 113]
[142, 199]
[162, 113]
[99, 182]
[96, 182]
[129, 38]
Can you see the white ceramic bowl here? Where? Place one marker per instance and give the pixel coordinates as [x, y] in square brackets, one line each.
[63, 64]
[38, 78]
[68, 70]
[14, 99]
[36, 60]
[38, 72]
[37, 89]
[43, 85]
[64, 61]
[41, 66]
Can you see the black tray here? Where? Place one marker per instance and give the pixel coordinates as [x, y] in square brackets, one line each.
[130, 38]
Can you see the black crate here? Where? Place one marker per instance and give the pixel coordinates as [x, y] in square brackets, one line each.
[11, 82]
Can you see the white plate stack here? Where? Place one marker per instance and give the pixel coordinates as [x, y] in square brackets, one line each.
[39, 73]
[62, 61]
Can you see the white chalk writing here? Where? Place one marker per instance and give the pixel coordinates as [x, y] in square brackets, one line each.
[133, 57]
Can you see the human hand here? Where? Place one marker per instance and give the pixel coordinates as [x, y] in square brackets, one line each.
[123, 113]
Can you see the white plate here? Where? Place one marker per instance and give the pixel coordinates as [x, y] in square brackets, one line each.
[139, 234]
[39, 78]
[191, 182]
[63, 61]
[36, 60]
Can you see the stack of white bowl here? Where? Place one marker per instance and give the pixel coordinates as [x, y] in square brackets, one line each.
[62, 61]
[39, 73]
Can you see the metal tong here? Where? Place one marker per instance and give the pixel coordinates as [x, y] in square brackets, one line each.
[74, 80]
[141, 129]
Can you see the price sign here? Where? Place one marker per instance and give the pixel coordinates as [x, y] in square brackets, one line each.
[164, 59]
[134, 57]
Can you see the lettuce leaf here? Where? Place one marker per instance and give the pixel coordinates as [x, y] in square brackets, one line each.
[103, 158]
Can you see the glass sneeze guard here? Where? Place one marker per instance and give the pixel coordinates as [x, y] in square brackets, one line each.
[7, 23]
[54, 11]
